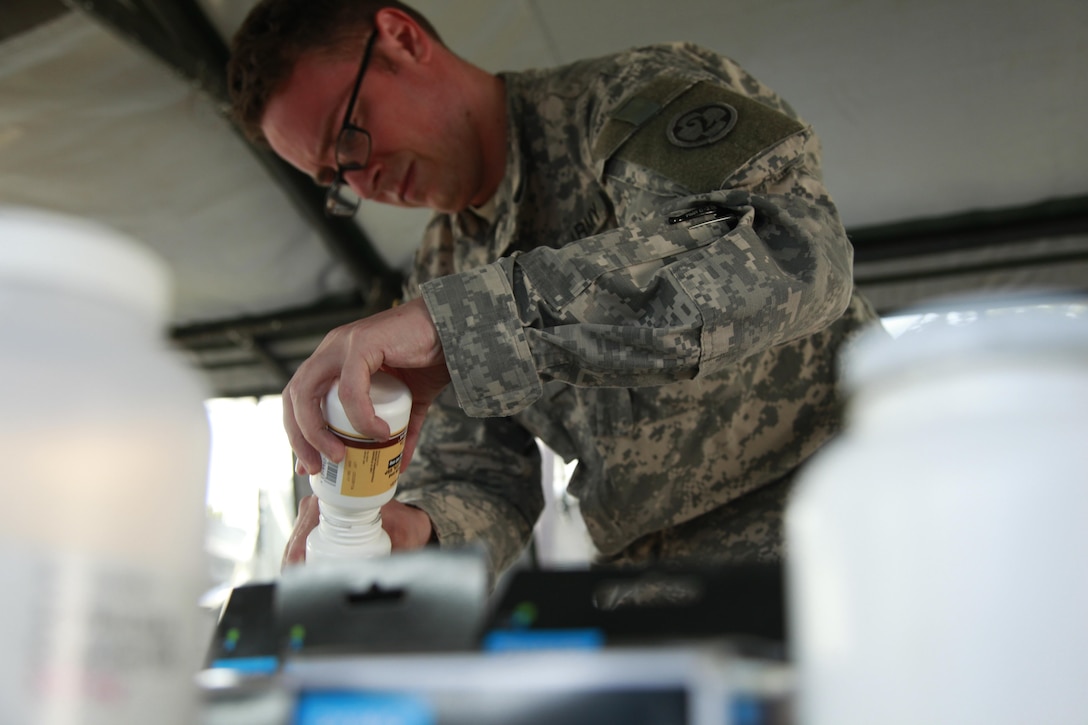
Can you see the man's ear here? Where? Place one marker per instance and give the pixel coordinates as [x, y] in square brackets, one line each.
[402, 39]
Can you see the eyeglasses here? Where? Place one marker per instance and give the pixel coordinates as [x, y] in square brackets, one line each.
[352, 150]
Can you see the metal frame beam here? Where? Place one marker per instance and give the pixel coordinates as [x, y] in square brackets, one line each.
[20, 16]
[920, 237]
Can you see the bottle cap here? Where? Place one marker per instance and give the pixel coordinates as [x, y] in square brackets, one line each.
[391, 398]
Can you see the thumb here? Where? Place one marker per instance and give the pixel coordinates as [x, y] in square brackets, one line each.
[415, 426]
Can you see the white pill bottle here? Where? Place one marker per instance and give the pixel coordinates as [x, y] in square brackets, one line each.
[351, 492]
[104, 447]
[938, 550]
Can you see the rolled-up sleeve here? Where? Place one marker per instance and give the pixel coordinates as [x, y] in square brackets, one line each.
[651, 302]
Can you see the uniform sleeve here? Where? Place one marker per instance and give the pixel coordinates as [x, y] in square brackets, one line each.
[695, 284]
[477, 479]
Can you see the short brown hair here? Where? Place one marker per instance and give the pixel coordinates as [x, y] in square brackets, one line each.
[277, 33]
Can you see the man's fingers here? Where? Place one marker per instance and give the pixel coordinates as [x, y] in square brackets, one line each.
[309, 458]
[355, 399]
[308, 516]
[305, 426]
[415, 426]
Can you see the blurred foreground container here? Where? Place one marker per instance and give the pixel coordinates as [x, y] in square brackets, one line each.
[938, 565]
[104, 443]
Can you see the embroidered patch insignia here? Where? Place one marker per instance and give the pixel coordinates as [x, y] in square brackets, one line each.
[701, 126]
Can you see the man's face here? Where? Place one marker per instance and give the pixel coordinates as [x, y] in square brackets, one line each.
[424, 150]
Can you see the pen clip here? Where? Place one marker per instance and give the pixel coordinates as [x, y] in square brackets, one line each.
[716, 213]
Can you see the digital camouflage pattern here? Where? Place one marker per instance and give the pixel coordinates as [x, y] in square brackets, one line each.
[658, 290]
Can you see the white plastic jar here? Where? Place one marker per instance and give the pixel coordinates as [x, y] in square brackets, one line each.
[938, 550]
[104, 443]
[351, 493]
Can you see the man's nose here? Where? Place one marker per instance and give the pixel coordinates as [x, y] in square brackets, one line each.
[362, 181]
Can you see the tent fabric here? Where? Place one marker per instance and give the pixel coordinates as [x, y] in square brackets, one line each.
[92, 126]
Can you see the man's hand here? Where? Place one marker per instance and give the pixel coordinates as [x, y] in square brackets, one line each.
[408, 528]
[402, 340]
[295, 552]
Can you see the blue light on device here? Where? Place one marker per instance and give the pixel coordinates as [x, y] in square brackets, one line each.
[248, 665]
[519, 640]
[362, 708]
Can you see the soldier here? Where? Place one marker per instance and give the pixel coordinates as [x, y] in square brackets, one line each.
[633, 258]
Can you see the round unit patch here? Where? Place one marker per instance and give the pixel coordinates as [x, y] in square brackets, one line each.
[701, 126]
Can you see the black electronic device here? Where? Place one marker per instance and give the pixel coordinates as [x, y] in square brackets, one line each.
[429, 600]
[245, 638]
[743, 603]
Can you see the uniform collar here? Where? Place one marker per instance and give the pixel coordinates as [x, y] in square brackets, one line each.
[497, 216]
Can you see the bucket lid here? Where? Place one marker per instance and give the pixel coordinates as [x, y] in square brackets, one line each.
[81, 256]
[972, 331]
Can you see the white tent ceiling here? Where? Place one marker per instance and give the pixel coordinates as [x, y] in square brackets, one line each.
[927, 109]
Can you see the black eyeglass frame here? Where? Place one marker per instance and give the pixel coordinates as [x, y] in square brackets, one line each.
[337, 204]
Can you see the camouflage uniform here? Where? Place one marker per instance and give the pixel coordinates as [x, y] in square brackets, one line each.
[658, 291]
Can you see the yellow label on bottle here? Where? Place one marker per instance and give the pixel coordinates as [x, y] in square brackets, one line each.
[369, 467]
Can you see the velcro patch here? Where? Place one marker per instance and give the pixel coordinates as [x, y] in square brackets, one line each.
[636, 111]
[701, 137]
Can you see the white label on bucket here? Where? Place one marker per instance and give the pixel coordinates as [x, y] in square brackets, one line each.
[94, 643]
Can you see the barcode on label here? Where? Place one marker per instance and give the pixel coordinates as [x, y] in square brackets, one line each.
[330, 471]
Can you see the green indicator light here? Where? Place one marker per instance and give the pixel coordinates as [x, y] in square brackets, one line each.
[524, 615]
[298, 635]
